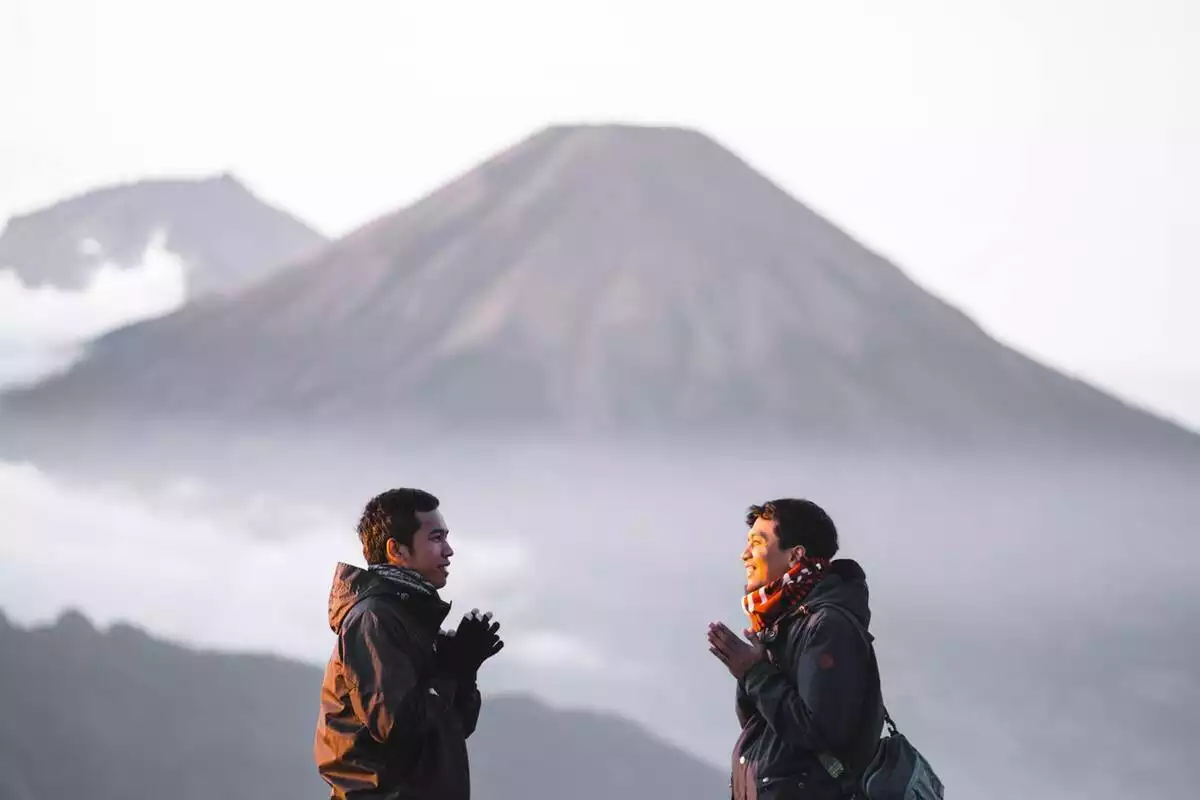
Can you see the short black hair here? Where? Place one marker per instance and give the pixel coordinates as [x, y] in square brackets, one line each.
[800, 523]
[391, 515]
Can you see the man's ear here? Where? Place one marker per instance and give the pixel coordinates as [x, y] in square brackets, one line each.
[397, 553]
[795, 554]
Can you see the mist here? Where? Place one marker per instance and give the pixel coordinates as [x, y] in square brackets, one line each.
[44, 330]
[1029, 614]
[248, 573]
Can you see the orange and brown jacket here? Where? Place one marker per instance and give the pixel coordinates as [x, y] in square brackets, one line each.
[391, 725]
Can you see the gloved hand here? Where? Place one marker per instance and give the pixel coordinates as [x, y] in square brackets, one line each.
[476, 640]
[449, 655]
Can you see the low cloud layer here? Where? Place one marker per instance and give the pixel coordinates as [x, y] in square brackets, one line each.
[43, 329]
[249, 573]
[1040, 611]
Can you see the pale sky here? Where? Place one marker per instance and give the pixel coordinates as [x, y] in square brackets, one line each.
[1034, 162]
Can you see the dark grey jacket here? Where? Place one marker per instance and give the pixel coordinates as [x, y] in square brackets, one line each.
[819, 691]
[391, 727]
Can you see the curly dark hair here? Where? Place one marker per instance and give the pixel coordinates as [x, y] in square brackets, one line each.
[391, 515]
[800, 523]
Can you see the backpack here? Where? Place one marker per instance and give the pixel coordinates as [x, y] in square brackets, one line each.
[897, 771]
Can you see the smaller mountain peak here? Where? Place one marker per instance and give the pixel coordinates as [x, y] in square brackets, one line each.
[73, 621]
[128, 632]
[229, 235]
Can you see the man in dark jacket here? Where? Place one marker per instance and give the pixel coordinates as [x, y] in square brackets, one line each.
[400, 696]
[808, 695]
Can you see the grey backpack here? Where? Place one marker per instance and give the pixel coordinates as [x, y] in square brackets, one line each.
[897, 771]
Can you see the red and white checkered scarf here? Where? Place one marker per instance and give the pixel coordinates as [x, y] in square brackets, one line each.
[765, 605]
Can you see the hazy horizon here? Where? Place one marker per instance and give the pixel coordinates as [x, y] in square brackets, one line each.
[961, 549]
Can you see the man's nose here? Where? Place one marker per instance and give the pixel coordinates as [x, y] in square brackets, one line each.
[449, 550]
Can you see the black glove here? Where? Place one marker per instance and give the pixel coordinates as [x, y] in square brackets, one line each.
[476, 640]
[449, 655]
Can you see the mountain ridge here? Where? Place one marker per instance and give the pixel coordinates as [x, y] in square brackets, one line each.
[85, 694]
[597, 279]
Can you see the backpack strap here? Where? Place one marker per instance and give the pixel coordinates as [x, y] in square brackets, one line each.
[866, 638]
[836, 768]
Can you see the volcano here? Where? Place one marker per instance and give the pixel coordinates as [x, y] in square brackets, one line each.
[594, 280]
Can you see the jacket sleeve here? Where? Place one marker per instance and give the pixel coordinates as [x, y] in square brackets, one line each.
[467, 702]
[460, 689]
[462, 692]
[744, 706]
[378, 663]
[815, 701]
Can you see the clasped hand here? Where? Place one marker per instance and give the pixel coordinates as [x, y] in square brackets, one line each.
[464, 649]
[736, 654]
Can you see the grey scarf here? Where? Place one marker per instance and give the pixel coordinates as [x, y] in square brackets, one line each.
[404, 576]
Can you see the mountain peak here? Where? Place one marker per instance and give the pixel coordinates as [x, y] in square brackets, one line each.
[615, 131]
[73, 622]
[598, 278]
[152, 185]
[225, 235]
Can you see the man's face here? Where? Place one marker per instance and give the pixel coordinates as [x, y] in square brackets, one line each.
[430, 551]
[764, 560]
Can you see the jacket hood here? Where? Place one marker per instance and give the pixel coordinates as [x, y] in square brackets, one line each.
[845, 586]
[352, 584]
